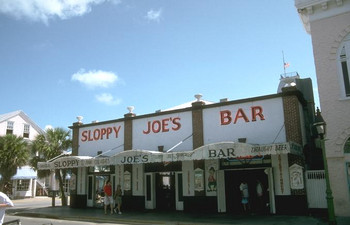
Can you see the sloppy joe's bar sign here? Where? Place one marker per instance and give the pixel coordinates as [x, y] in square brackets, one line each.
[74, 162]
[233, 150]
[212, 151]
[166, 124]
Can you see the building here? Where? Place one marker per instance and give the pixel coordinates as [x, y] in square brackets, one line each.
[24, 183]
[328, 23]
[195, 158]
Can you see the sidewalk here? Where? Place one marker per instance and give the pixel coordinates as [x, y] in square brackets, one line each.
[156, 217]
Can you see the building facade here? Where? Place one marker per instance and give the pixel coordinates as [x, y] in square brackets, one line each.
[328, 23]
[195, 158]
[24, 183]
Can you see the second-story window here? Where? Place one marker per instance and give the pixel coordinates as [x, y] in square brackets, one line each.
[26, 131]
[345, 65]
[9, 129]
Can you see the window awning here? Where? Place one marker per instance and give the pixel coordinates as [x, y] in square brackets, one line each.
[221, 150]
[24, 173]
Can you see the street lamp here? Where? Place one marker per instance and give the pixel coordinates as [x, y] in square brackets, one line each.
[320, 125]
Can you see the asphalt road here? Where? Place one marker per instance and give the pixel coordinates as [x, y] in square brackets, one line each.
[39, 202]
[43, 221]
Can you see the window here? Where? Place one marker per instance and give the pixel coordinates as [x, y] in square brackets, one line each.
[347, 146]
[23, 185]
[9, 129]
[345, 66]
[348, 173]
[26, 131]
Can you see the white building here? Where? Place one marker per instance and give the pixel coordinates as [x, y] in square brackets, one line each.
[328, 23]
[193, 159]
[19, 124]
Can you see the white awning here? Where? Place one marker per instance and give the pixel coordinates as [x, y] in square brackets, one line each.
[222, 150]
[64, 162]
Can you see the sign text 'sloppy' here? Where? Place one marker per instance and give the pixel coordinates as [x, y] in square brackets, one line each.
[100, 133]
[66, 163]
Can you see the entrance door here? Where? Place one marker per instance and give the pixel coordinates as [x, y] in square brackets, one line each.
[100, 181]
[165, 191]
[150, 191]
[91, 195]
[233, 179]
[179, 191]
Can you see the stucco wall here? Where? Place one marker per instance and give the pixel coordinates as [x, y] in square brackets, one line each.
[327, 35]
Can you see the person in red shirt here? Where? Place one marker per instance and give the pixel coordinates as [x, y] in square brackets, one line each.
[108, 199]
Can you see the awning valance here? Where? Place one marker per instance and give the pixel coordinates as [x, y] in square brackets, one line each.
[222, 150]
[65, 162]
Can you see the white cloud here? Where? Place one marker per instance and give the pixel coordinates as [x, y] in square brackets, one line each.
[107, 99]
[95, 78]
[154, 15]
[44, 10]
[47, 127]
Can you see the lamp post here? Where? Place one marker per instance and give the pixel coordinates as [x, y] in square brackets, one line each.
[320, 125]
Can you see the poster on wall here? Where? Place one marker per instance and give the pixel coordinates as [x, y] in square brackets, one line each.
[211, 170]
[296, 177]
[72, 182]
[198, 180]
[127, 181]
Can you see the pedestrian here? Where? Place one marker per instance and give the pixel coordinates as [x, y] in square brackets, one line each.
[108, 199]
[118, 199]
[260, 193]
[5, 202]
[245, 195]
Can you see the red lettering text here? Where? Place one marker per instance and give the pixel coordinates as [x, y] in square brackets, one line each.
[164, 125]
[240, 114]
[99, 134]
[257, 111]
[226, 116]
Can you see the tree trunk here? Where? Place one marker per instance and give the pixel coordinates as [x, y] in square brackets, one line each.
[60, 181]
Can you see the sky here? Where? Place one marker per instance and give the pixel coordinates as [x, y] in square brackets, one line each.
[60, 59]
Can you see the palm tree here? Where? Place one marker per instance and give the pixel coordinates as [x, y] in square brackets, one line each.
[14, 153]
[48, 146]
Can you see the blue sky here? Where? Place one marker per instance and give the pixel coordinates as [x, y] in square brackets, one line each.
[95, 58]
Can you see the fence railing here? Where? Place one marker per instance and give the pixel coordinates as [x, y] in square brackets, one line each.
[316, 188]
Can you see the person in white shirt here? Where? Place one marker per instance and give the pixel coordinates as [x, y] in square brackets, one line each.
[260, 194]
[5, 202]
[245, 195]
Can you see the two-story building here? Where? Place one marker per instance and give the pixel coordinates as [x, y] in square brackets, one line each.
[24, 183]
[328, 23]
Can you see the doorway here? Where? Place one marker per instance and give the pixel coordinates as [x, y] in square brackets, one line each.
[165, 191]
[100, 181]
[233, 179]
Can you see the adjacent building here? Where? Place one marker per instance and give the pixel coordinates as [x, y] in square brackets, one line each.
[24, 183]
[328, 23]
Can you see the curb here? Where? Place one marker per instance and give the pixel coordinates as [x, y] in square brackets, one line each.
[90, 219]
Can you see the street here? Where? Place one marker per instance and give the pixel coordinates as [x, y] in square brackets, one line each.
[22, 205]
[43, 221]
[39, 211]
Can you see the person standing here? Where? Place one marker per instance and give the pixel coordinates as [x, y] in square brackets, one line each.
[118, 199]
[5, 202]
[108, 199]
[245, 195]
[260, 193]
